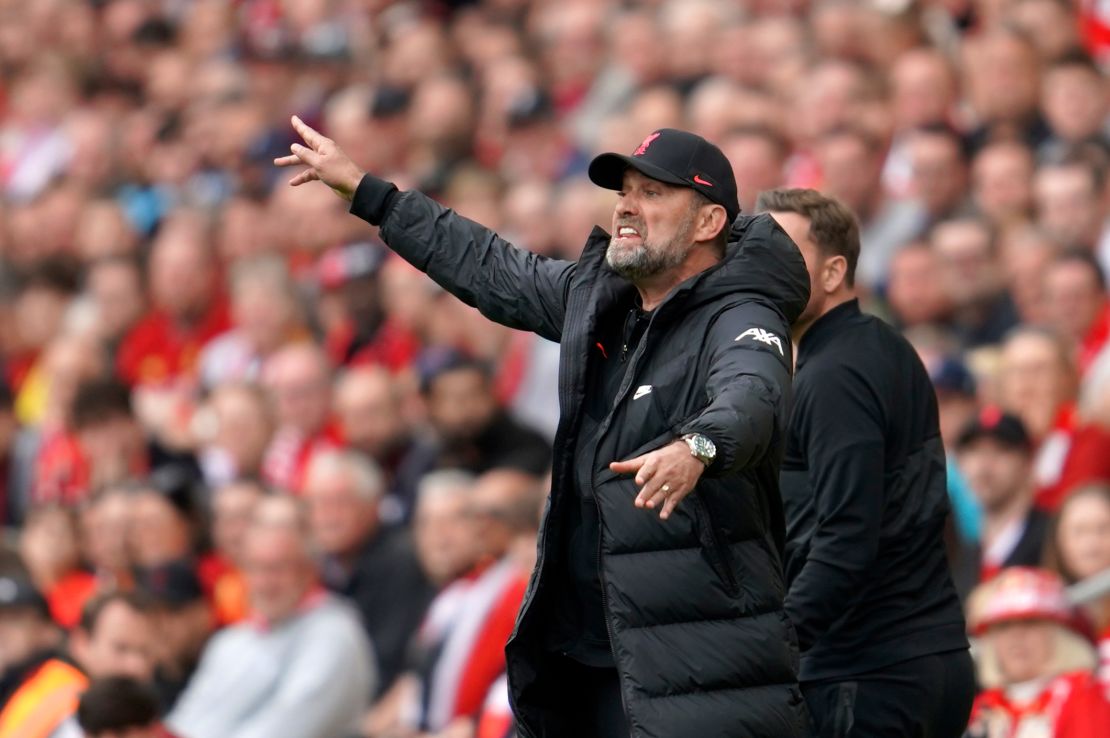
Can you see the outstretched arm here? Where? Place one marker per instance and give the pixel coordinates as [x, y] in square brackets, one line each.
[508, 285]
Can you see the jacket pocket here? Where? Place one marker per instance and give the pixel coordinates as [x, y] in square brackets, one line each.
[713, 547]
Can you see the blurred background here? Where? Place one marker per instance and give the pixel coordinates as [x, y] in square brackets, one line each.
[279, 483]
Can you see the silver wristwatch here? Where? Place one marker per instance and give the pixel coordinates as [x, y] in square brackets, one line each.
[702, 449]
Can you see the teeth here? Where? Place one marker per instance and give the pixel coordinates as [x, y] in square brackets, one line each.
[626, 231]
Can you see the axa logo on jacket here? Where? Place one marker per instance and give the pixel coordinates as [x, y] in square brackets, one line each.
[763, 336]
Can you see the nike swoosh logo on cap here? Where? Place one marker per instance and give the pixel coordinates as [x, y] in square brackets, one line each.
[699, 180]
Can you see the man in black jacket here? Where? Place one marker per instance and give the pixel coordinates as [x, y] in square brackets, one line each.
[882, 634]
[674, 378]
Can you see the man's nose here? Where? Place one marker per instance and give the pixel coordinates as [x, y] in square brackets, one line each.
[627, 205]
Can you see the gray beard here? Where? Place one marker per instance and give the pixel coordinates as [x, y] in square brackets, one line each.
[650, 260]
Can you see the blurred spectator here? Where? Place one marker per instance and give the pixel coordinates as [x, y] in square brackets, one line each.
[995, 456]
[458, 647]
[1074, 101]
[1001, 182]
[120, 706]
[1002, 82]
[1037, 382]
[349, 308]
[38, 689]
[850, 162]
[233, 507]
[369, 409]
[982, 310]
[1026, 255]
[301, 667]
[188, 308]
[442, 536]
[1034, 661]
[1079, 548]
[1070, 204]
[114, 286]
[49, 548]
[104, 545]
[957, 405]
[265, 315]
[372, 565]
[183, 620]
[298, 378]
[915, 290]
[39, 310]
[1076, 306]
[938, 171]
[233, 429]
[758, 157]
[114, 638]
[162, 522]
[471, 431]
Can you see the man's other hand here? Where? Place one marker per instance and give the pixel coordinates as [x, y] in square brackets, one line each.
[665, 476]
[326, 162]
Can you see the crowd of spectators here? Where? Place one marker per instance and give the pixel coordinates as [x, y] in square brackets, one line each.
[261, 477]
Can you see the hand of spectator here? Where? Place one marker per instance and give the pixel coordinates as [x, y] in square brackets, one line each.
[665, 476]
[326, 162]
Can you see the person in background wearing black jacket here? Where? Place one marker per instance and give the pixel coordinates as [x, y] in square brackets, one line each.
[883, 642]
[644, 617]
[995, 455]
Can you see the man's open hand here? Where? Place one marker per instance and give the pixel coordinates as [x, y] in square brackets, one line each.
[665, 476]
[326, 162]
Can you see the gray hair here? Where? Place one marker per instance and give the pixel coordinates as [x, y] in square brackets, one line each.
[444, 483]
[365, 476]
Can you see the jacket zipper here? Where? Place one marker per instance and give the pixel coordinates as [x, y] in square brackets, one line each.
[626, 383]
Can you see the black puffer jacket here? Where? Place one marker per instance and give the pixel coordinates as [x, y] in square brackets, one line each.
[694, 604]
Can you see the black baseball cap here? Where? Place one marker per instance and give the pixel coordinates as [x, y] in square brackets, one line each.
[993, 422]
[173, 585]
[950, 375]
[18, 593]
[675, 157]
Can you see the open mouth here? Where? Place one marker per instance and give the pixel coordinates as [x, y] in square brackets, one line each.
[628, 233]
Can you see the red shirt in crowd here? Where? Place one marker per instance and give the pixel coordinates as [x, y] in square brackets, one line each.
[289, 454]
[68, 596]
[157, 350]
[1069, 706]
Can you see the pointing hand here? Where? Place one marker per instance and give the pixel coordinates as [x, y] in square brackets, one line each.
[326, 162]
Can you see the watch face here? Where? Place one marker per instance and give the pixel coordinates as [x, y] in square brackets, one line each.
[702, 448]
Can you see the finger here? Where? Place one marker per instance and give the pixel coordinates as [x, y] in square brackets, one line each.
[308, 175]
[311, 136]
[653, 493]
[628, 466]
[670, 504]
[647, 471]
[306, 155]
[287, 161]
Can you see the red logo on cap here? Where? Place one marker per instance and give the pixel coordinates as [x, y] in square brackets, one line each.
[990, 416]
[699, 180]
[643, 147]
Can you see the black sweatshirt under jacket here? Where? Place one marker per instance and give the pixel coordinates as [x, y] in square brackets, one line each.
[863, 485]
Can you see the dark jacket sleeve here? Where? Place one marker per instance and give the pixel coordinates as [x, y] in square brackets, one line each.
[841, 428]
[508, 285]
[747, 385]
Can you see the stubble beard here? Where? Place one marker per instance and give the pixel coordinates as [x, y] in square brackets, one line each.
[650, 259]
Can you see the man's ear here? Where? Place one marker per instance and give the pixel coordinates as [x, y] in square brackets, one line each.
[834, 274]
[711, 221]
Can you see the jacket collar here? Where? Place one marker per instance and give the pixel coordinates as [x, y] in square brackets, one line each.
[825, 327]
